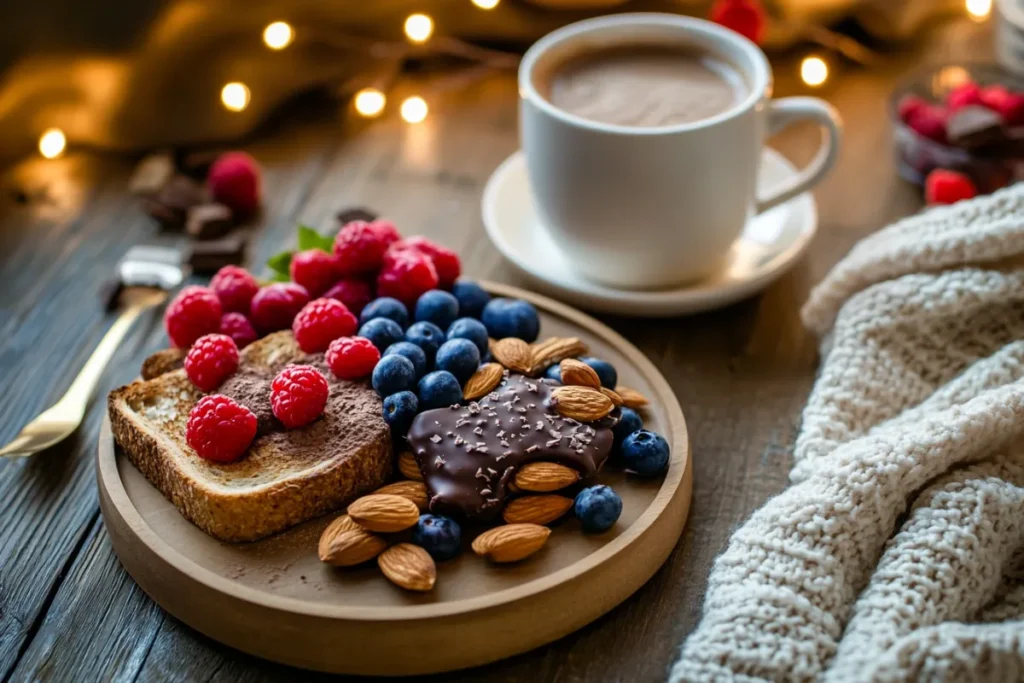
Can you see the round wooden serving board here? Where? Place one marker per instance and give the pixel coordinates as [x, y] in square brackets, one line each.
[275, 599]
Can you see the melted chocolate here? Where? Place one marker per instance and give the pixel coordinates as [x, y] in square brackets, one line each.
[469, 454]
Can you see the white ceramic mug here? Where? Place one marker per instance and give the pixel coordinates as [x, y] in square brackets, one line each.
[653, 207]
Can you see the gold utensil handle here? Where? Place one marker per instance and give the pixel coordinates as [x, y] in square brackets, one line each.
[75, 400]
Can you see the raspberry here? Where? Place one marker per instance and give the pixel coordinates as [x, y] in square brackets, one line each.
[320, 322]
[360, 247]
[746, 17]
[407, 275]
[238, 327]
[194, 312]
[963, 95]
[352, 357]
[909, 105]
[220, 429]
[386, 231]
[445, 261]
[355, 294]
[298, 395]
[275, 306]
[1008, 104]
[943, 186]
[315, 270]
[235, 287]
[211, 360]
[929, 121]
[234, 180]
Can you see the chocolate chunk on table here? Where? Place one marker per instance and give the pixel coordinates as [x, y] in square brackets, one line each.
[209, 256]
[355, 214]
[171, 204]
[208, 221]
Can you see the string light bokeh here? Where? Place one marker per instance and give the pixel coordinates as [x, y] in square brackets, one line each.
[414, 109]
[52, 143]
[419, 27]
[369, 102]
[486, 4]
[813, 71]
[979, 10]
[235, 96]
[278, 35]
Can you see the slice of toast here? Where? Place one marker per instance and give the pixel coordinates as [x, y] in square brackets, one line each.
[287, 477]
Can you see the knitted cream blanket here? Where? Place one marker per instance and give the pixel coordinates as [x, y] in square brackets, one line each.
[898, 552]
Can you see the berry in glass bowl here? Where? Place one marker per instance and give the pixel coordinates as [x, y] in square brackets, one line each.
[967, 118]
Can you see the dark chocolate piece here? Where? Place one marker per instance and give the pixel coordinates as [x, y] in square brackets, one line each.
[171, 204]
[467, 471]
[211, 255]
[1009, 146]
[197, 162]
[208, 221]
[974, 126]
[151, 175]
[355, 214]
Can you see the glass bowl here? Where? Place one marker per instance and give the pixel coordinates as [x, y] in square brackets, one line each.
[917, 156]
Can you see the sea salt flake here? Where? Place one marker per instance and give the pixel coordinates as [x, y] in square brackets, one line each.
[555, 433]
[531, 387]
[492, 471]
[553, 442]
[520, 410]
[479, 431]
[532, 449]
[531, 406]
[439, 461]
[459, 440]
[481, 421]
[435, 439]
[540, 426]
[485, 492]
[501, 434]
[504, 443]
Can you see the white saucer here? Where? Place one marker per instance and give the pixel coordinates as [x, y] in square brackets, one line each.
[769, 245]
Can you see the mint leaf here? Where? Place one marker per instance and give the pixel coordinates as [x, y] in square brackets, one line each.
[309, 238]
[280, 277]
[279, 263]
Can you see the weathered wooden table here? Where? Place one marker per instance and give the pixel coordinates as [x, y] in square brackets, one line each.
[68, 612]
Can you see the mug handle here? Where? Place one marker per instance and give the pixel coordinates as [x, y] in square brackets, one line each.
[788, 110]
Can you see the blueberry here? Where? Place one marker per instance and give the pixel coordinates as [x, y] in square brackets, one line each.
[629, 422]
[439, 536]
[413, 353]
[471, 296]
[473, 330]
[383, 332]
[645, 453]
[399, 411]
[511, 318]
[597, 507]
[385, 307]
[437, 306]
[438, 389]
[459, 357]
[554, 372]
[393, 373]
[427, 336]
[605, 371]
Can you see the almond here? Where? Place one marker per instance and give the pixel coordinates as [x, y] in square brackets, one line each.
[408, 467]
[578, 373]
[486, 378]
[536, 509]
[554, 350]
[631, 398]
[541, 477]
[514, 354]
[350, 546]
[616, 399]
[408, 566]
[511, 542]
[581, 403]
[415, 491]
[385, 513]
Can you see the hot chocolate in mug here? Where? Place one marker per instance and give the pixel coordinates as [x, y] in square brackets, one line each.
[659, 203]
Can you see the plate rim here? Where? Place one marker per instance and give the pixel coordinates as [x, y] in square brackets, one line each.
[679, 475]
[681, 300]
